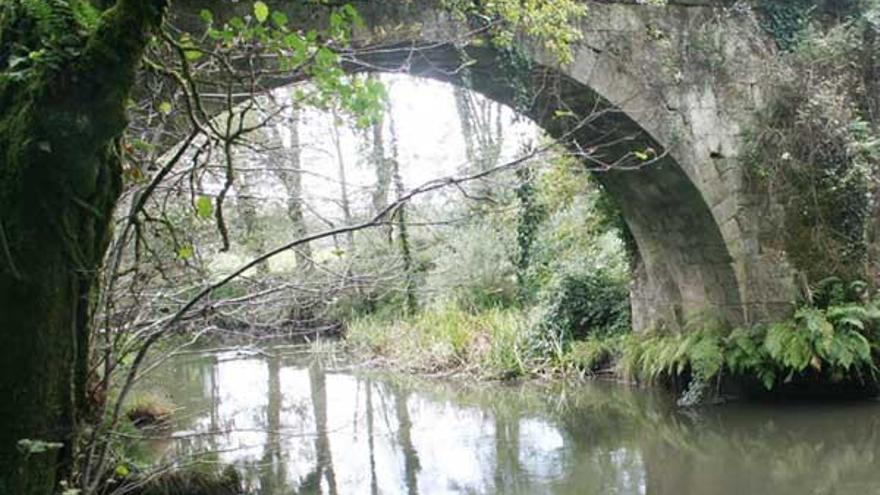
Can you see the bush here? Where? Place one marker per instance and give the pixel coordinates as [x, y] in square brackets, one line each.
[576, 306]
[593, 354]
[474, 269]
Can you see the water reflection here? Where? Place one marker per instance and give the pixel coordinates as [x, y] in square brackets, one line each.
[293, 426]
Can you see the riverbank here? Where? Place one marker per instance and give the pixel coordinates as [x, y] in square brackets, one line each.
[828, 351]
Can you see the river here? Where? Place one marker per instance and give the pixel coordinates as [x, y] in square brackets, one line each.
[296, 424]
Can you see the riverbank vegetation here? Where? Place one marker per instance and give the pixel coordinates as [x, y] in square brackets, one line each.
[815, 149]
[207, 214]
[835, 343]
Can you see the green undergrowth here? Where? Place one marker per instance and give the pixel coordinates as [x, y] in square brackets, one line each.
[828, 347]
[446, 338]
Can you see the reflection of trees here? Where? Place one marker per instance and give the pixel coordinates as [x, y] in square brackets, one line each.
[411, 464]
[371, 441]
[508, 472]
[617, 440]
[766, 450]
[318, 388]
[273, 477]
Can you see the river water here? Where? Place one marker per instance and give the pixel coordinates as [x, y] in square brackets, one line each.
[294, 424]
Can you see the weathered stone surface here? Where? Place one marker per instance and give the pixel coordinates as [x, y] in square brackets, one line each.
[679, 82]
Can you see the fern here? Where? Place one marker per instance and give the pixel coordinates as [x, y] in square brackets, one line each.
[706, 357]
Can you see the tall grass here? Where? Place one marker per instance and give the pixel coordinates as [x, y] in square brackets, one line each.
[445, 337]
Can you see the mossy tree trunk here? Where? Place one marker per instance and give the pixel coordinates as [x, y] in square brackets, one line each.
[60, 177]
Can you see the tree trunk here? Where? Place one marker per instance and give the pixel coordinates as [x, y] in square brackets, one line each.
[482, 132]
[409, 288]
[293, 184]
[344, 202]
[60, 177]
[248, 204]
[466, 120]
[380, 164]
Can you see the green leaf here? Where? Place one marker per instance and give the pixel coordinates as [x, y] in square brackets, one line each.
[122, 471]
[192, 55]
[279, 19]
[768, 379]
[206, 16]
[185, 252]
[563, 113]
[204, 207]
[261, 11]
[165, 107]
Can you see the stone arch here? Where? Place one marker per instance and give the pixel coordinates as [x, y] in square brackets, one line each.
[701, 236]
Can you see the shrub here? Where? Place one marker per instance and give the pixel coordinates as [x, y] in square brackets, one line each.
[474, 269]
[576, 306]
[593, 354]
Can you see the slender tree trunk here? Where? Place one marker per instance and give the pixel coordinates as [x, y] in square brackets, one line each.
[344, 202]
[402, 231]
[247, 203]
[380, 164]
[295, 210]
[289, 170]
[529, 217]
[466, 121]
[482, 132]
[60, 178]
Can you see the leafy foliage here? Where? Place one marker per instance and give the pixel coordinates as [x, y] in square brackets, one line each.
[833, 344]
[786, 20]
[816, 147]
[473, 268]
[553, 23]
[576, 305]
[42, 34]
[314, 53]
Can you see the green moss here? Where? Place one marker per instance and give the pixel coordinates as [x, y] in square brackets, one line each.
[62, 113]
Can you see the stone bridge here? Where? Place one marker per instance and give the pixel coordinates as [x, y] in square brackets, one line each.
[677, 84]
